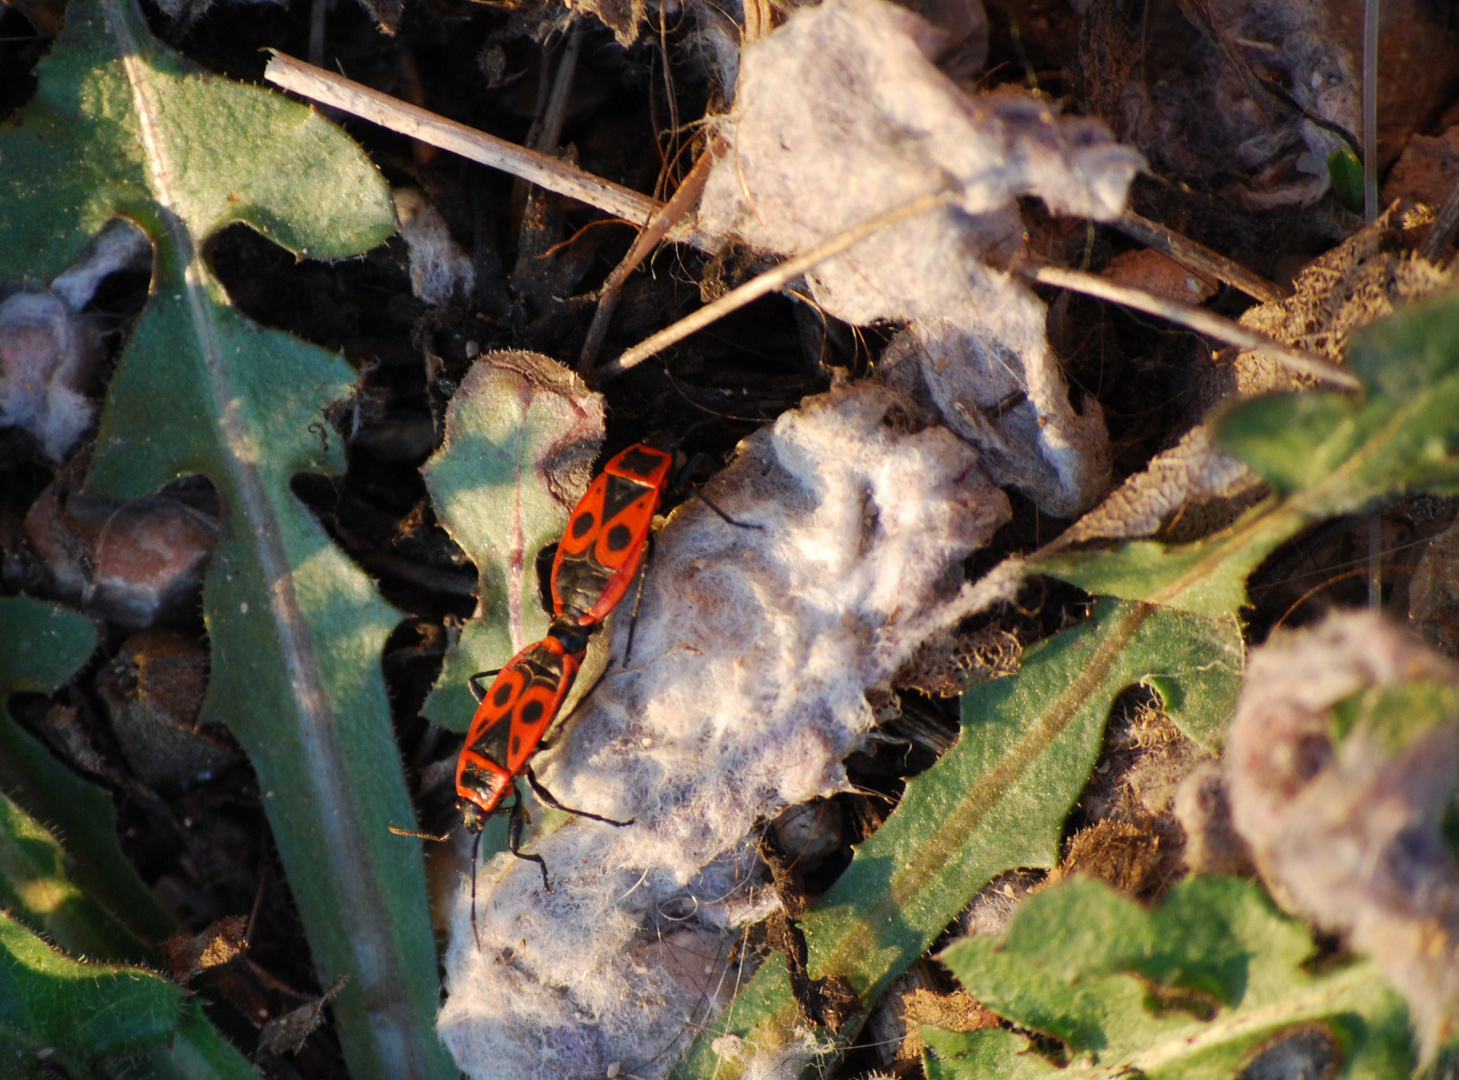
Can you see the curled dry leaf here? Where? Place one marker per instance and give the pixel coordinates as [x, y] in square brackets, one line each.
[218, 943]
[1342, 763]
[286, 1034]
[153, 689]
[842, 115]
[752, 657]
[136, 563]
[150, 560]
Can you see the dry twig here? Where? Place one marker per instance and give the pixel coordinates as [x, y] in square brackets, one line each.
[1198, 319]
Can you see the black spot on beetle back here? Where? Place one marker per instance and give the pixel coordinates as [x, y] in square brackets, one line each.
[640, 463]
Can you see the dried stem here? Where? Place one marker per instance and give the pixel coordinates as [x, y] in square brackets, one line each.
[672, 211]
[768, 282]
[546, 172]
[1197, 319]
[1199, 258]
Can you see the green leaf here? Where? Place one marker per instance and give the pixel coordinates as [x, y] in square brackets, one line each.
[1324, 454]
[1292, 441]
[1390, 717]
[43, 645]
[39, 879]
[987, 1053]
[122, 125]
[995, 801]
[36, 887]
[197, 1052]
[1193, 989]
[522, 432]
[1346, 172]
[71, 1014]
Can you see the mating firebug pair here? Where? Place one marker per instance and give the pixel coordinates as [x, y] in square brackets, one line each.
[600, 554]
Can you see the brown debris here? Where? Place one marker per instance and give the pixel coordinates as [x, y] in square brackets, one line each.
[956, 1011]
[1156, 273]
[953, 661]
[1193, 487]
[188, 955]
[1433, 593]
[286, 1034]
[150, 561]
[1130, 836]
[1427, 170]
[154, 689]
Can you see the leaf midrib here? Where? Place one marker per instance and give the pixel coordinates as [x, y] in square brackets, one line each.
[929, 863]
[379, 976]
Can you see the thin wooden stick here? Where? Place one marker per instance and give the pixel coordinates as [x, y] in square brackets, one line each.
[681, 203]
[547, 172]
[762, 284]
[1198, 257]
[1196, 318]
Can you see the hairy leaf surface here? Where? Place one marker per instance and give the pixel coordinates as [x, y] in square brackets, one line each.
[73, 1013]
[521, 435]
[41, 646]
[1197, 988]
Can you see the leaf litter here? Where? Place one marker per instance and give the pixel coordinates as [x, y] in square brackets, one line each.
[967, 347]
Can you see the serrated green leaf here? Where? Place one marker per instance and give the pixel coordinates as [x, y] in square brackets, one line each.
[41, 646]
[122, 125]
[1324, 453]
[995, 801]
[1092, 968]
[37, 890]
[71, 1014]
[521, 435]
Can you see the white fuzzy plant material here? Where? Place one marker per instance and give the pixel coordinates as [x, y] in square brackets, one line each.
[440, 271]
[49, 350]
[841, 115]
[745, 690]
[1352, 834]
